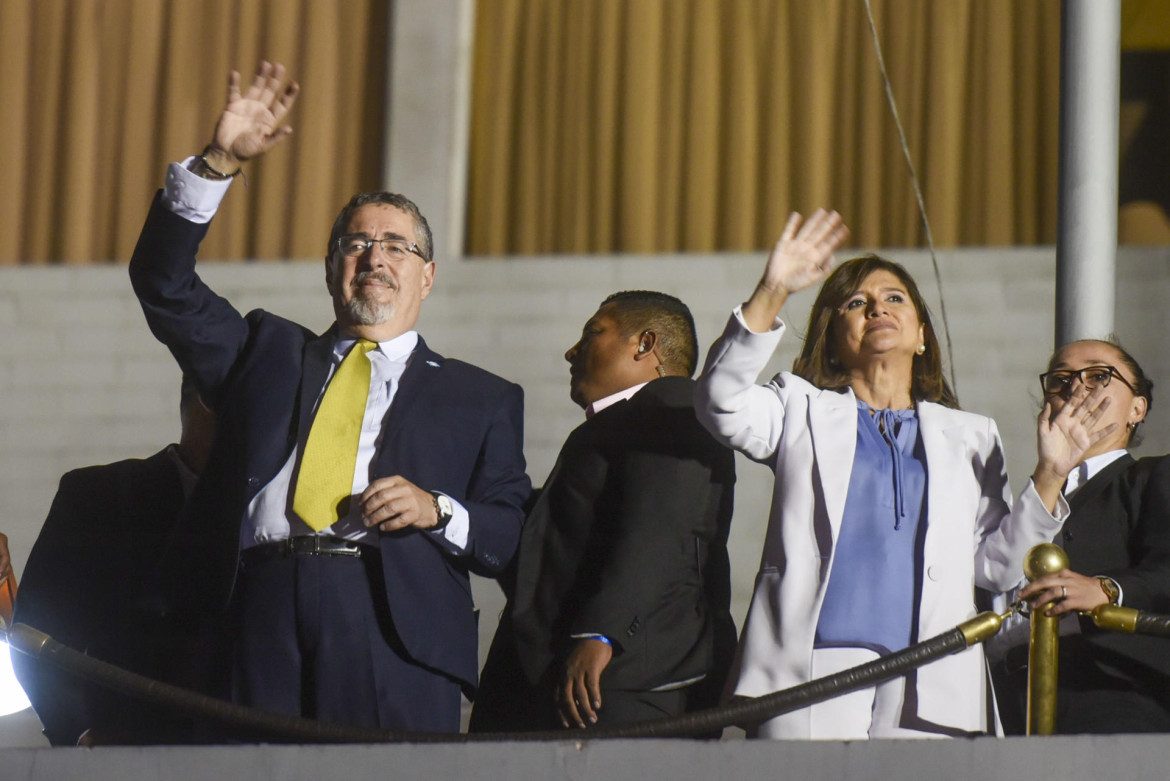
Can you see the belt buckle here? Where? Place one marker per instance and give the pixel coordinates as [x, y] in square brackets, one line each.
[348, 549]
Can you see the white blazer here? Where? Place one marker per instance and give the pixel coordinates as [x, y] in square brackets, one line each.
[808, 436]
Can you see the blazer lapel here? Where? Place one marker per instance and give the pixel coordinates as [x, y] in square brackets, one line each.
[318, 356]
[832, 419]
[419, 375]
[1097, 483]
[942, 452]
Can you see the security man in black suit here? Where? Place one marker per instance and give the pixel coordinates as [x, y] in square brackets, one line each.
[618, 600]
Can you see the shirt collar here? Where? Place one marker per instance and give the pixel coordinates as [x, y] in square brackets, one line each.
[1089, 468]
[612, 399]
[397, 349]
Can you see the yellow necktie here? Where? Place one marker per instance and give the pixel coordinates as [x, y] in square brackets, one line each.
[325, 478]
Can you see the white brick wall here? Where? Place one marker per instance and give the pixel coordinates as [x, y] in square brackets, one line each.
[83, 381]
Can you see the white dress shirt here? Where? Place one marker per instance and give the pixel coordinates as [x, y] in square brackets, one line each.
[269, 517]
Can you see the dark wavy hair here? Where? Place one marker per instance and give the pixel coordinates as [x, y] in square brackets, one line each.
[817, 362]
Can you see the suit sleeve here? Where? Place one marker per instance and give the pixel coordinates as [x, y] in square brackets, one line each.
[1146, 584]
[203, 331]
[498, 488]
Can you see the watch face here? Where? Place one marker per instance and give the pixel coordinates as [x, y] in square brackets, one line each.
[445, 506]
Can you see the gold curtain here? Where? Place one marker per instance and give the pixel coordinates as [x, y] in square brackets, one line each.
[99, 96]
[697, 125]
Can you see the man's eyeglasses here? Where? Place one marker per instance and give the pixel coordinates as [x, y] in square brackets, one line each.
[1059, 382]
[354, 244]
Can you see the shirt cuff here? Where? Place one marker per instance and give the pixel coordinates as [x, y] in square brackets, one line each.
[190, 196]
[1120, 591]
[777, 323]
[458, 529]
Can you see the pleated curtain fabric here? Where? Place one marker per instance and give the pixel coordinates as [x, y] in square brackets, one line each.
[698, 125]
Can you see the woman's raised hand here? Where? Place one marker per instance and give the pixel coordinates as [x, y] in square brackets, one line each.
[802, 257]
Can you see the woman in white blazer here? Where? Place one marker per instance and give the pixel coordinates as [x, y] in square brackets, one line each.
[890, 504]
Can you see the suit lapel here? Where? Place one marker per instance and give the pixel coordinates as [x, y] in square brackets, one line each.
[832, 419]
[318, 357]
[1097, 483]
[943, 445]
[420, 374]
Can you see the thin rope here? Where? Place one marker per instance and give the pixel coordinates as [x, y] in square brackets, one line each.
[877, 47]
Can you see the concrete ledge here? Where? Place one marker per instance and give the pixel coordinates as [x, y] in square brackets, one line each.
[1131, 757]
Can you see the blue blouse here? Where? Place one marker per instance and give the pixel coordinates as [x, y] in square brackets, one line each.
[873, 589]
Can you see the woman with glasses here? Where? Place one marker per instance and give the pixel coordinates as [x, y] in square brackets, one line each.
[890, 504]
[1117, 538]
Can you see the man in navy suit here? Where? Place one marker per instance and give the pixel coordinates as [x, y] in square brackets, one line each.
[368, 620]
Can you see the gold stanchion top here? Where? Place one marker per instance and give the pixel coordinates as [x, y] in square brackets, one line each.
[1045, 559]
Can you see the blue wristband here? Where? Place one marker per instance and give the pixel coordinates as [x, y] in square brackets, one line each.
[603, 639]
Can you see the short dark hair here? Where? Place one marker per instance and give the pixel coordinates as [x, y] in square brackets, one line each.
[1143, 386]
[669, 318]
[817, 362]
[422, 230]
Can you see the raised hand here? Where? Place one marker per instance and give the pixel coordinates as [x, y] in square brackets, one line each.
[802, 257]
[250, 123]
[1063, 438]
[804, 254]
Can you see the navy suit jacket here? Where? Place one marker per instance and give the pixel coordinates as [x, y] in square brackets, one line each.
[452, 427]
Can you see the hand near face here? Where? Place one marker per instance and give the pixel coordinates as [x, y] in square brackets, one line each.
[1069, 591]
[393, 503]
[579, 695]
[1063, 438]
[250, 123]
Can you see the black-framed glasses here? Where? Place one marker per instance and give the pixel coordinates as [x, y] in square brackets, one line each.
[1057, 383]
[353, 244]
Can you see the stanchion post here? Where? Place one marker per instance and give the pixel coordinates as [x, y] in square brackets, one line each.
[1044, 559]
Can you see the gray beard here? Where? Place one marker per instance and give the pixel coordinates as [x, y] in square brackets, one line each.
[362, 309]
[365, 312]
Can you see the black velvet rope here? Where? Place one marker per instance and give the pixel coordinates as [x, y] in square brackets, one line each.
[251, 724]
[1152, 624]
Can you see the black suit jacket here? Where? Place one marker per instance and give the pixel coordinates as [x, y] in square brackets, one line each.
[1109, 682]
[627, 539]
[84, 577]
[452, 428]
[1119, 526]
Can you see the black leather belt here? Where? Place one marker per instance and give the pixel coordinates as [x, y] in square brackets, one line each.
[304, 545]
